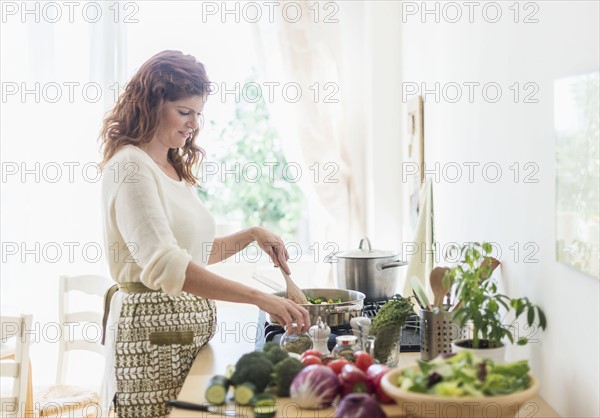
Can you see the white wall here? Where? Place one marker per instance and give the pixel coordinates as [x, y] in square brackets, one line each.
[382, 110]
[514, 214]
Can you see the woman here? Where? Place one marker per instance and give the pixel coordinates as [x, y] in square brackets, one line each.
[159, 237]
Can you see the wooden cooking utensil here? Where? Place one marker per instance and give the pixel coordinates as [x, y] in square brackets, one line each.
[436, 281]
[293, 292]
[493, 263]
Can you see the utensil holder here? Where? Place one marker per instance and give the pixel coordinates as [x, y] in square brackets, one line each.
[438, 330]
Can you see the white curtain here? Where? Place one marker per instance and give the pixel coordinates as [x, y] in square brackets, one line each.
[51, 215]
[324, 131]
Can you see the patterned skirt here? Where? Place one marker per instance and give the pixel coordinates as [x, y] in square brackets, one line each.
[158, 338]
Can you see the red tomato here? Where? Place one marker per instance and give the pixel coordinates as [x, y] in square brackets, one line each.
[363, 360]
[376, 369]
[336, 365]
[315, 353]
[375, 373]
[308, 360]
[354, 380]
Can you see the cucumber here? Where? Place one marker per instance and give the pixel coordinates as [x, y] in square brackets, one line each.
[265, 411]
[216, 390]
[244, 393]
[264, 399]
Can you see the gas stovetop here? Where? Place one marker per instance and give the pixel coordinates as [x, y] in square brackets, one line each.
[275, 332]
[410, 337]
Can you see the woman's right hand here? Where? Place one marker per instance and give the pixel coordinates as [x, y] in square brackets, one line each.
[285, 311]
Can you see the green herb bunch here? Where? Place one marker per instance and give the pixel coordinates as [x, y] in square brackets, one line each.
[394, 312]
[388, 323]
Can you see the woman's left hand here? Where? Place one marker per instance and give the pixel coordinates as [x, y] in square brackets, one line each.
[273, 246]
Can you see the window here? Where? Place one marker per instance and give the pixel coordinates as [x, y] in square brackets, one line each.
[236, 136]
[246, 177]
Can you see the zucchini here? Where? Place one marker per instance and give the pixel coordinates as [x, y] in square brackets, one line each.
[264, 399]
[244, 393]
[265, 405]
[216, 390]
[265, 411]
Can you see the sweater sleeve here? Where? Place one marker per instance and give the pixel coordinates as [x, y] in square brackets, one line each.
[143, 224]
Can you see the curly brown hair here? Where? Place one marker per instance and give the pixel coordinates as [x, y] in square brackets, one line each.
[167, 76]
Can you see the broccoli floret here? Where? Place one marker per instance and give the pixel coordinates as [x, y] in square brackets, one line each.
[255, 368]
[276, 355]
[284, 373]
[269, 346]
[248, 358]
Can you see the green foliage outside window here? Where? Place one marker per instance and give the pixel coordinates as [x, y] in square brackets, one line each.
[250, 183]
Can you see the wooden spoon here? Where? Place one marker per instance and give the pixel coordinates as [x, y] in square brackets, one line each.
[436, 281]
[293, 292]
[492, 262]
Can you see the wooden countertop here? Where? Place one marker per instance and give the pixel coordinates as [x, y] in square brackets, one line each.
[236, 334]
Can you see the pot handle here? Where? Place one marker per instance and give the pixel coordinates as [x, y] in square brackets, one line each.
[362, 241]
[331, 259]
[391, 264]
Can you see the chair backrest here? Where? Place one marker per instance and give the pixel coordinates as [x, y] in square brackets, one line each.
[15, 340]
[81, 330]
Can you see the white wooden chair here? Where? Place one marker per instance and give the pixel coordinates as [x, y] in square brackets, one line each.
[14, 365]
[69, 400]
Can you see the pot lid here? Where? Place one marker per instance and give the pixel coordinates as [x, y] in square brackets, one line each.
[365, 251]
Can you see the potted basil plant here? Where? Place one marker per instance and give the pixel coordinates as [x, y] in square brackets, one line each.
[491, 316]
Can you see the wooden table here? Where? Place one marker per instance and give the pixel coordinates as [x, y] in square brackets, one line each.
[236, 334]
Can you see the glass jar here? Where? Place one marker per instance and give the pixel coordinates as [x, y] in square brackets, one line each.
[369, 345]
[294, 342]
[386, 346]
[360, 327]
[345, 346]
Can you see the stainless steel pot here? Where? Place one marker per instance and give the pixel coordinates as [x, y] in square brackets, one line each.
[372, 272]
[334, 314]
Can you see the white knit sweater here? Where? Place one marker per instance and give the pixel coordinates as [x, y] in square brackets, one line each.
[153, 225]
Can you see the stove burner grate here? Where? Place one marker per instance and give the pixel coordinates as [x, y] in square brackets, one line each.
[370, 309]
[410, 337]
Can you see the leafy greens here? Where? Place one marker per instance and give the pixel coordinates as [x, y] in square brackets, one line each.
[463, 374]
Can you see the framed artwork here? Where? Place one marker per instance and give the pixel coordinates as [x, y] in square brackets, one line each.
[415, 153]
[576, 117]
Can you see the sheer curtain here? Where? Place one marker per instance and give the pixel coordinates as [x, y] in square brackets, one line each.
[65, 75]
[325, 130]
[57, 82]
